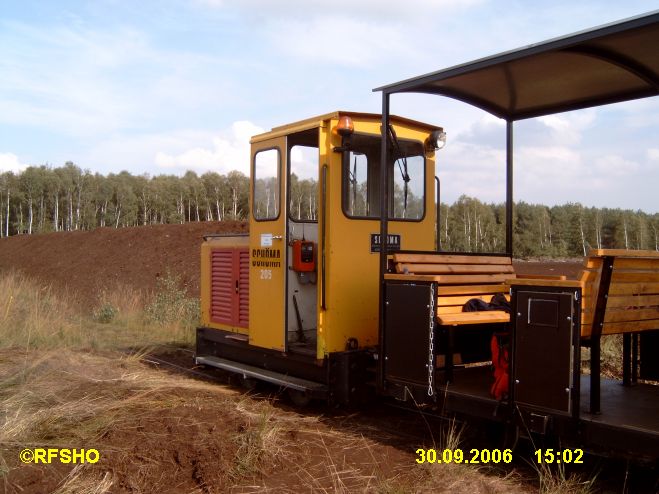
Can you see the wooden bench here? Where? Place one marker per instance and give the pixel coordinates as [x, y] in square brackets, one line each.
[620, 294]
[459, 279]
[620, 290]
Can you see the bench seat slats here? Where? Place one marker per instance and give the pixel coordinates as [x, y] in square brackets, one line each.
[633, 296]
[543, 282]
[547, 277]
[623, 314]
[472, 289]
[627, 263]
[622, 327]
[626, 301]
[633, 277]
[459, 278]
[451, 259]
[623, 253]
[634, 288]
[460, 300]
[464, 318]
[454, 279]
[452, 269]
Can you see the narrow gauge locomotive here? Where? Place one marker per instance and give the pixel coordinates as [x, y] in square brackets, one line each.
[341, 291]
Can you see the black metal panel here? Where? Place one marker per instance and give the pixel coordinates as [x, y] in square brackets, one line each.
[350, 377]
[544, 350]
[611, 439]
[407, 331]
[649, 355]
[348, 374]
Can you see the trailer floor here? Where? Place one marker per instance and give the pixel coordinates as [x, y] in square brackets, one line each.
[473, 381]
[630, 407]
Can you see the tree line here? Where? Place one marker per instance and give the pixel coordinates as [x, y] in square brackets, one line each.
[44, 199]
[568, 230]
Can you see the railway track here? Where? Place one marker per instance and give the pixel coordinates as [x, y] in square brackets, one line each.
[409, 426]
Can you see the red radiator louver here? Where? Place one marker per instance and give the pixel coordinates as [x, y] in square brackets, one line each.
[230, 286]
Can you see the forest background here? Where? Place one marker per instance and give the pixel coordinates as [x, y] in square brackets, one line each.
[46, 199]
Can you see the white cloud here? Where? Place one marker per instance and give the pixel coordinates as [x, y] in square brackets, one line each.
[567, 128]
[371, 8]
[339, 40]
[550, 163]
[345, 32]
[471, 169]
[9, 162]
[81, 82]
[653, 154]
[613, 166]
[62, 79]
[228, 151]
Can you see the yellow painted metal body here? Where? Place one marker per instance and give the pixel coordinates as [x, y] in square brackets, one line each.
[351, 269]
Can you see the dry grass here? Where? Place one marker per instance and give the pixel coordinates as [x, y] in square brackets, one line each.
[78, 481]
[611, 357]
[459, 477]
[68, 398]
[69, 382]
[259, 440]
[554, 479]
[35, 316]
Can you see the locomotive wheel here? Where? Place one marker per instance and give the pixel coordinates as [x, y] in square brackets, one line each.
[299, 398]
[247, 383]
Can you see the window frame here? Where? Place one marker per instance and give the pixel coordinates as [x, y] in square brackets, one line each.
[254, 177]
[344, 188]
[288, 183]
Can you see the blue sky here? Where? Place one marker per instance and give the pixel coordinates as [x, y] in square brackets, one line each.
[162, 87]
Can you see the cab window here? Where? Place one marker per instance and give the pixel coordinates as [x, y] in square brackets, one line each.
[266, 184]
[361, 179]
[303, 195]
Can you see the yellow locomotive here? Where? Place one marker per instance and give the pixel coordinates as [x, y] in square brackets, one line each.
[340, 291]
[299, 294]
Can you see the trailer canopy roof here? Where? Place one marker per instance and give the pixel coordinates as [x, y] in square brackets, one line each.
[608, 64]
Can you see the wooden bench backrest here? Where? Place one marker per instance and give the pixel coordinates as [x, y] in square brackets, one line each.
[460, 277]
[633, 298]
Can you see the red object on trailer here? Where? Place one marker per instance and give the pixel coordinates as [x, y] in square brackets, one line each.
[500, 361]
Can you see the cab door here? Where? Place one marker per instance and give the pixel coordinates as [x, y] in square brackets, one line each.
[267, 245]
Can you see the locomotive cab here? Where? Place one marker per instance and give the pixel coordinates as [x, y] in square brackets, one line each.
[300, 292]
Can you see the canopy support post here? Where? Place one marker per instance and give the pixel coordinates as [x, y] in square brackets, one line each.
[384, 217]
[509, 187]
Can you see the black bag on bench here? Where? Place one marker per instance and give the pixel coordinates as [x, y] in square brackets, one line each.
[497, 302]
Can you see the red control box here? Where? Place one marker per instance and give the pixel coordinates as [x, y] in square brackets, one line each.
[304, 256]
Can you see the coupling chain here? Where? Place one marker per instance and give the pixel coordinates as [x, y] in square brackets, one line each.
[431, 327]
